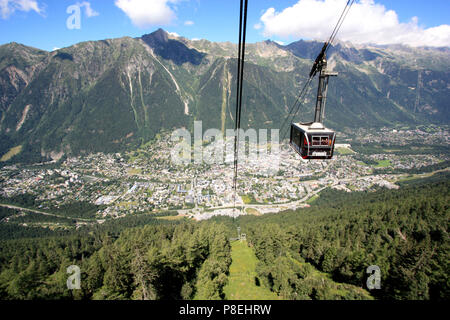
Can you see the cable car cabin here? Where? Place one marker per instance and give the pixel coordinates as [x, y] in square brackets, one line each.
[312, 140]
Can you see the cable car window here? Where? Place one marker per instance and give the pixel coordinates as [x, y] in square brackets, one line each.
[315, 141]
[296, 138]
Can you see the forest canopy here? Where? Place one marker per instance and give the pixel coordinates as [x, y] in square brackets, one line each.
[321, 252]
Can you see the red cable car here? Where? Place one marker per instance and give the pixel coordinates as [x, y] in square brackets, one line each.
[313, 140]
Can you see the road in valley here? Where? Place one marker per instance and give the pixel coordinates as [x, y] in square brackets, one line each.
[42, 212]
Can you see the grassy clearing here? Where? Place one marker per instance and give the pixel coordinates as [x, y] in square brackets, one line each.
[253, 211]
[171, 218]
[312, 199]
[248, 199]
[383, 164]
[242, 279]
[407, 178]
[344, 151]
[128, 204]
[418, 176]
[11, 153]
[134, 172]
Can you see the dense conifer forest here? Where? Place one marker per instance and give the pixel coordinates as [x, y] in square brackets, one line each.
[404, 232]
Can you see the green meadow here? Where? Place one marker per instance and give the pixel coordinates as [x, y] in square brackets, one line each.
[242, 284]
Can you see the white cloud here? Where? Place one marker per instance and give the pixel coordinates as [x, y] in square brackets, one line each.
[174, 34]
[88, 9]
[8, 7]
[367, 22]
[281, 43]
[56, 49]
[145, 13]
[257, 26]
[189, 23]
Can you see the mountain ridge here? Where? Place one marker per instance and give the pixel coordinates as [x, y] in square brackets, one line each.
[116, 94]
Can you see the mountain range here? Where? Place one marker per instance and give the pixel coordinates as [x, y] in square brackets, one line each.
[116, 94]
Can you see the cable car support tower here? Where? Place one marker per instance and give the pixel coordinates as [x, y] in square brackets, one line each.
[320, 65]
[312, 140]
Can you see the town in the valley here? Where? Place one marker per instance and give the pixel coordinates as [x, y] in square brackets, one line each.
[147, 181]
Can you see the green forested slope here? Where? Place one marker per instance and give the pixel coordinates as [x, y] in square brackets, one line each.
[404, 232]
[321, 252]
[165, 262]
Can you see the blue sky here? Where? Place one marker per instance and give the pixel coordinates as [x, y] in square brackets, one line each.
[42, 23]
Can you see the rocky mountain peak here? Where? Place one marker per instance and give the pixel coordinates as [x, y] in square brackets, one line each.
[159, 36]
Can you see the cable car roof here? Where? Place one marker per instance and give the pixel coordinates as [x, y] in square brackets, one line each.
[310, 128]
